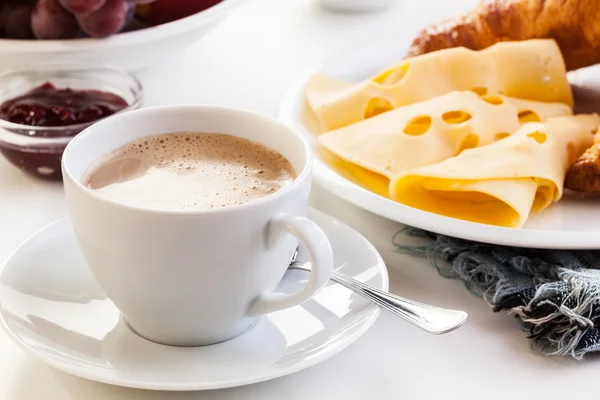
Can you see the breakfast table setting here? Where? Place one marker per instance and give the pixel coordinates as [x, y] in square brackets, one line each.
[254, 62]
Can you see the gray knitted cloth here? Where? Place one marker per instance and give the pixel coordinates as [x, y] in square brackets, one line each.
[554, 294]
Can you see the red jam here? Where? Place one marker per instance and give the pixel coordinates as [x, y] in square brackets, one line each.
[48, 106]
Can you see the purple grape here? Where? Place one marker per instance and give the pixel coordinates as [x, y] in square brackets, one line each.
[82, 6]
[140, 1]
[107, 20]
[15, 20]
[49, 20]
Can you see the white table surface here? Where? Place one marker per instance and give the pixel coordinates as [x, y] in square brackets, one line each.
[249, 61]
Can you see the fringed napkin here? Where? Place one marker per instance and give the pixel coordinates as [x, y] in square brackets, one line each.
[554, 293]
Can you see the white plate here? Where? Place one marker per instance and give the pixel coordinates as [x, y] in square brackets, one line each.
[573, 223]
[51, 306]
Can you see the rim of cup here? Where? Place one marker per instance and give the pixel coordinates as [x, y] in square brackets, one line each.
[302, 175]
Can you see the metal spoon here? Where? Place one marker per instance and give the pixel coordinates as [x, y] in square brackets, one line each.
[432, 319]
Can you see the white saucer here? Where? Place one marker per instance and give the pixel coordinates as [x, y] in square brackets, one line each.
[51, 306]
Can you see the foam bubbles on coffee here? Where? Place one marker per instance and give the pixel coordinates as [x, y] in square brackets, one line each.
[188, 171]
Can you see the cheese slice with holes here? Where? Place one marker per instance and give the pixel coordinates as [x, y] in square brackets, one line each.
[532, 69]
[426, 133]
[358, 175]
[500, 184]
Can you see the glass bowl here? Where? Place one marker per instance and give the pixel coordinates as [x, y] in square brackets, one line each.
[37, 150]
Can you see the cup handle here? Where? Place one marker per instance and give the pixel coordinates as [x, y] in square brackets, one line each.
[320, 254]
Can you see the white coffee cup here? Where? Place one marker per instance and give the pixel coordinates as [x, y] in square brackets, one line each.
[190, 278]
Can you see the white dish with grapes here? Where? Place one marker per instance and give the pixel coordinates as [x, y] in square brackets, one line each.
[132, 51]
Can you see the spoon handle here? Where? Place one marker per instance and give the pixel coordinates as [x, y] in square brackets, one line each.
[432, 319]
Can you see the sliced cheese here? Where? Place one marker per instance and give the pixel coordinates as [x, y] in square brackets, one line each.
[371, 181]
[431, 131]
[500, 184]
[532, 69]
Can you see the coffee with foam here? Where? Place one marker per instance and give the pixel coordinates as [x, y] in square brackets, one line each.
[189, 171]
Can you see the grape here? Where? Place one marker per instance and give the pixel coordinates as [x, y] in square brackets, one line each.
[15, 20]
[50, 20]
[107, 20]
[67, 19]
[82, 6]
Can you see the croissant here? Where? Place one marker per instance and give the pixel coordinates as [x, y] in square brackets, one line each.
[584, 174]
[573, 24]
